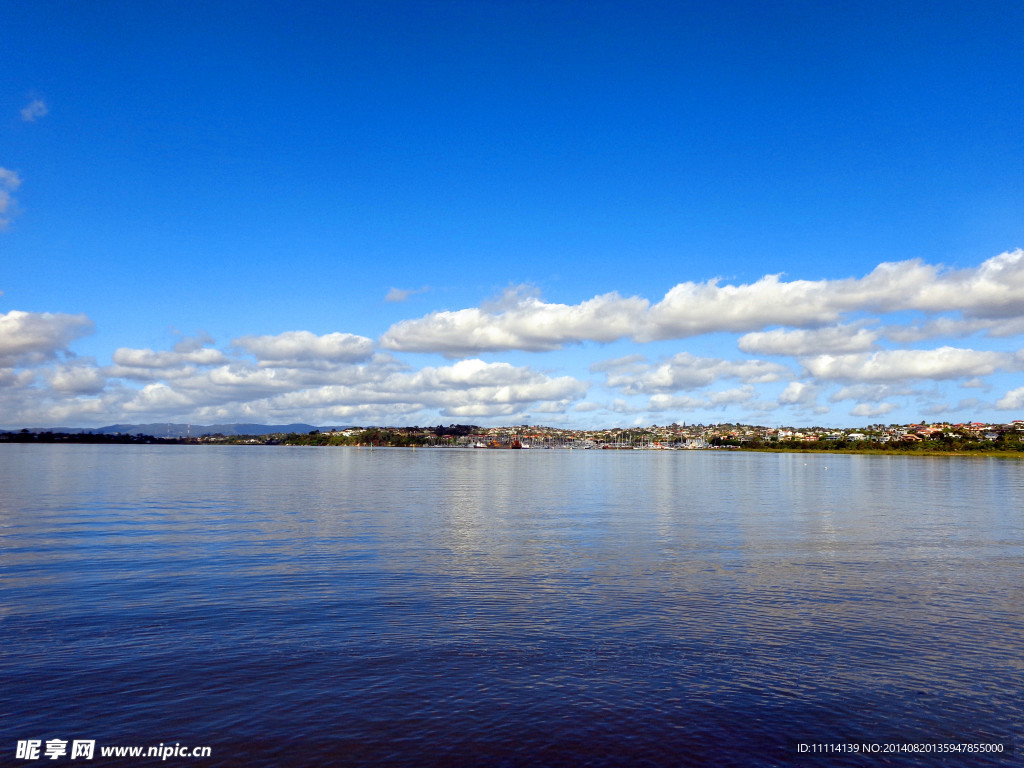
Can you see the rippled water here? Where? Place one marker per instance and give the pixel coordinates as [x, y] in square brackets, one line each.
[296, 606]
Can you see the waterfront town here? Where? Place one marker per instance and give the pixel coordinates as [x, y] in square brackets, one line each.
[973, 436]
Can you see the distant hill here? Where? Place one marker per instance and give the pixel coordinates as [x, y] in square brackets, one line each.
[165, 429]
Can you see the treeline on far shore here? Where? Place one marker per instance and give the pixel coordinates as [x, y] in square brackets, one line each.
[382, 437]
[24, 436]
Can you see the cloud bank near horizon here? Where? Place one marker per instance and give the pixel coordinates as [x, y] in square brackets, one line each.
[985, 296]
[854, 348]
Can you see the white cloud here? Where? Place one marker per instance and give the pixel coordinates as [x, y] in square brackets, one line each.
[976, 384]
[193, 343]
[800, 393]
[636, 363]
[29, 338]
[692, 309]
[34, 110]
[9, 182]
[302, 348]
[721, 399]
[10, 379]
[969, 404]
[9, 179]
[148, 358]
[621, 406]
[158, 398]
[822, 326]
[902, 364]
[732, 396]
[472, 383]
[870, 411]
[263, 411]
[955, 327]
[836, 339]
[1012, 400]
[469, 388]
[397, 295]
[871, 393]
[684, 371]
[686, 403]
[80, 378]
[993, 290]
[524, 323]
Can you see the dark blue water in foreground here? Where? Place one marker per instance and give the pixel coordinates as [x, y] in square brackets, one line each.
[296, 606]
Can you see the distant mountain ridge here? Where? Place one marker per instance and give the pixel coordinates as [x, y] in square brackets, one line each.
[167, 429]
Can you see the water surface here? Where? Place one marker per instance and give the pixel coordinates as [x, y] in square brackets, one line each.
[317, 606]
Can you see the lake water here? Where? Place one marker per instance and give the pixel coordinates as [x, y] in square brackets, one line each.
[319, 606]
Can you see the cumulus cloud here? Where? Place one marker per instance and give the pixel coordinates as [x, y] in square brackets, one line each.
[635, 362]
[836, 339]
[1012, 400]
[395, 295]
[158, 398]
[522, 322]
[486, 388]
[821, 325]
[148, 358]
[152, 365]
[9, 179]
[955, 327]
[191, 379]
[993, 290]
[82, 377]
[193, 343]
[692, 309]
[871, 393]
[244, 389]
[800, 393]
[864, 410]
[9, 182]
[300, 348]
[28, 338]
[467, 388]
[684, 371]
[34, 110]
[188, 355]
[721, 399]
[903, 364]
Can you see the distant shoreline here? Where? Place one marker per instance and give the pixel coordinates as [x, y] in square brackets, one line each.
[59, 438]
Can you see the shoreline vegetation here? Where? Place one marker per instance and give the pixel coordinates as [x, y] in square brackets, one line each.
[976, 439]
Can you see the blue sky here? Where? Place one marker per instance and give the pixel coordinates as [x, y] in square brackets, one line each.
[577, 214]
